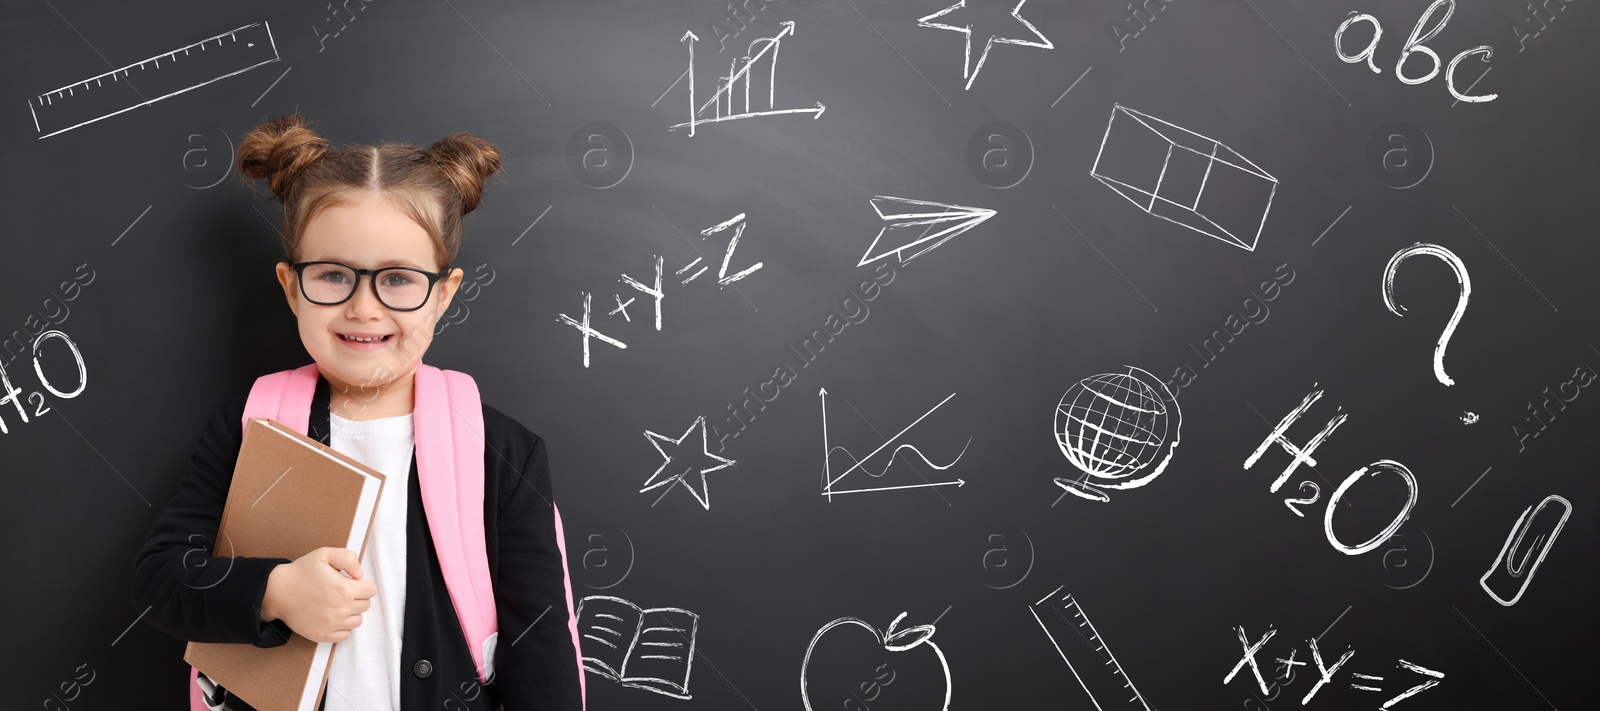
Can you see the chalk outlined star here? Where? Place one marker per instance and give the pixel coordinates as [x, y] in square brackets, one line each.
[967, 70]
[703, 494]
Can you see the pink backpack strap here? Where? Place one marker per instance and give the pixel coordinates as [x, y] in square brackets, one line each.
[448, 417]
[284, 396]
[572, 619]
[197, 697]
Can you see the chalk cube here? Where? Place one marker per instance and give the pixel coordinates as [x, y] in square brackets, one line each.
[1183, 177]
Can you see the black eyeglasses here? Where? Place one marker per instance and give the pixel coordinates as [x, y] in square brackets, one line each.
[333, 283]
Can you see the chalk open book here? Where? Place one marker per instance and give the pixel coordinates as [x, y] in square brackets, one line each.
[289, 495]
[650, 649]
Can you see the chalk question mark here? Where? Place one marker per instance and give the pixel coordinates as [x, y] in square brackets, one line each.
[1460, 270]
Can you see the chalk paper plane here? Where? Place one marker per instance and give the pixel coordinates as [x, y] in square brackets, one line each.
[904, 220]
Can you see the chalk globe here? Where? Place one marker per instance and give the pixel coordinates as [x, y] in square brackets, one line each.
[1113, 425]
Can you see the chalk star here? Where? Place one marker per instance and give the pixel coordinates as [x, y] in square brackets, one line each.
[684, 470]
[1043, 43]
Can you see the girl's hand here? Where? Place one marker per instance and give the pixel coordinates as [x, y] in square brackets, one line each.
[316, 601]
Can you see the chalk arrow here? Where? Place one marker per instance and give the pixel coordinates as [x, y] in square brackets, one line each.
[827, 475]
[957, 483]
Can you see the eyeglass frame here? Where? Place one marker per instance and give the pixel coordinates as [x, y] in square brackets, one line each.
[299, 277]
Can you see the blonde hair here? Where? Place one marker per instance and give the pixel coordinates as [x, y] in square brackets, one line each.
[435, 186]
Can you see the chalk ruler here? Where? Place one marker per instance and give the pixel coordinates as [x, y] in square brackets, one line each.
[1086, 653]
[162, 76]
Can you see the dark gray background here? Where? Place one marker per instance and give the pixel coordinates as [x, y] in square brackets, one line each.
[183, 311]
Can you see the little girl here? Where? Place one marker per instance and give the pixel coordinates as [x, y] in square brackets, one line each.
[416, 625]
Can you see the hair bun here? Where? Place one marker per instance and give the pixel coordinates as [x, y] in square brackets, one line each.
[279, 150]
[466, 161]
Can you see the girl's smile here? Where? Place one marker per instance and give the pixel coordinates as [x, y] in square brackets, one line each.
[365, 341]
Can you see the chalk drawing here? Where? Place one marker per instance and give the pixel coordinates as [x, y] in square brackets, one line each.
[968, 71]
[890, 643]
[589, 332]
[1086, 653]
[1249, 657]
[650, 649]
[1302, 455]
[728, 86]
[1433, 679]
[829, 480]
[163, 76]
[1325, 672]
[653, 292]
[1119, 429]
[1458, 268]
[904, 220]
[674, 471]
[1508, 570]
[1184, 178]
[1380, 466]
[1415, 45]
[723, 277]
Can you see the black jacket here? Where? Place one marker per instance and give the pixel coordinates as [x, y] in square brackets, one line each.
[195, 596]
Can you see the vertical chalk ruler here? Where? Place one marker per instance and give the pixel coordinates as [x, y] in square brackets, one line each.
[1086, 653]
[162, 76]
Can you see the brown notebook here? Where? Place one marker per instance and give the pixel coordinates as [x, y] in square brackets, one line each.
[290, 495]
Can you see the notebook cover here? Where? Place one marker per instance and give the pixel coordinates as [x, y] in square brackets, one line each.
[289, 495]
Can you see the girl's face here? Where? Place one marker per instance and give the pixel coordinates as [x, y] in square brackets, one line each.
[367, 232]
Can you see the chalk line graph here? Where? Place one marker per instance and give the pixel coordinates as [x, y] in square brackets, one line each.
[829, 480]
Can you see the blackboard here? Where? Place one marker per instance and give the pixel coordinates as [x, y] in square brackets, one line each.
[1151, 231]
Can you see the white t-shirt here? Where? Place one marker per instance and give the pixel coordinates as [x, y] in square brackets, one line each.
[365, 673]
